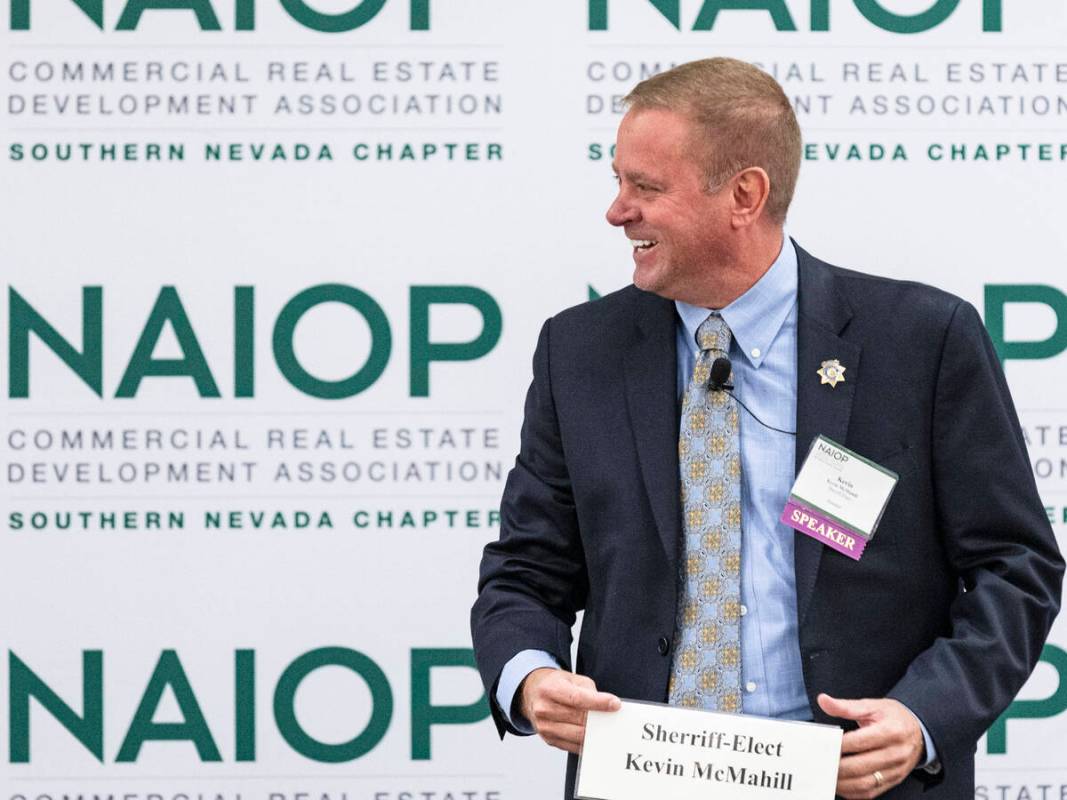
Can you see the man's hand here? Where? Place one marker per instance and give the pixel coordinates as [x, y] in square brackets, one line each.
[556, 701]
[887, 746]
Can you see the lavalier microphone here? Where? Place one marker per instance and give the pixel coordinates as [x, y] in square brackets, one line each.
[720, 374]
[721, 368]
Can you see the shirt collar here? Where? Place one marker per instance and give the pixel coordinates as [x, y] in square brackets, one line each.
[756, 316]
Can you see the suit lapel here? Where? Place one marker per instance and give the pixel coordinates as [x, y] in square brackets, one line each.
[823, 315]
[651, 395]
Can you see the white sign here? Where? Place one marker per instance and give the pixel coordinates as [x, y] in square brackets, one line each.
[654, 750]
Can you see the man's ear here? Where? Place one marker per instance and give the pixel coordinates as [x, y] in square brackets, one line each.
[750, 189]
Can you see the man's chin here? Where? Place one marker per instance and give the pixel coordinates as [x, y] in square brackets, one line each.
[648, 279]
[655, 284]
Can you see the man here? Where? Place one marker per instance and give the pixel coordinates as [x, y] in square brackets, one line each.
[651, 501]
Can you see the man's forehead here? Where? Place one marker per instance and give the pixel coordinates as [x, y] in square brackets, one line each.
[644, 151]
[657, 129]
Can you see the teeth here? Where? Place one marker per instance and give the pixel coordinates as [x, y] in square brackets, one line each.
[640, 243]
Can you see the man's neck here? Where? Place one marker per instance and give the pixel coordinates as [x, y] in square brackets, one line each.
[728, 281]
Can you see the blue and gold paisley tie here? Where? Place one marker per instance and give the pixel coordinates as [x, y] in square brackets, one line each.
[706, 672]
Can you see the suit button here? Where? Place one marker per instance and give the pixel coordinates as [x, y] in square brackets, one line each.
[664, 645]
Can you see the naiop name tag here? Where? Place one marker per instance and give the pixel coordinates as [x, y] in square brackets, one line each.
[838, 497]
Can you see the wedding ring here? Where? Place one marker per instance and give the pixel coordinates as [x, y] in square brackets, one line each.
[879, 779]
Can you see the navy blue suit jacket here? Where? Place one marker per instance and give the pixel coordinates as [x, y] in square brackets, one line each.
[947, 610]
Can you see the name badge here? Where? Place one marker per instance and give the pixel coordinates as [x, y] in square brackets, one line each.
[839, 497]
[648, 750]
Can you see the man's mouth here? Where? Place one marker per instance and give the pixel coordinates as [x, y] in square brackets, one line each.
[643, 245]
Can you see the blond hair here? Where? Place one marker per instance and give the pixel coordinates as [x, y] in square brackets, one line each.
[744, 117]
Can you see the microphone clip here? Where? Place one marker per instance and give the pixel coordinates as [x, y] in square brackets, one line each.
[719, 376]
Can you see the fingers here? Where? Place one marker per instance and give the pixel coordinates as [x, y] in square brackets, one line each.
[862, 739]
[866, 787]
[577, 691]
[546, 711]
[859, 781]
[565, 737]
[847, 709]
[856, 775]
[886, 760]
[556, 703]
[890, 730]
[581, 697]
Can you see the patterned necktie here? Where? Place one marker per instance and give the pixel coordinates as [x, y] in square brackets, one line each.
[707, 657]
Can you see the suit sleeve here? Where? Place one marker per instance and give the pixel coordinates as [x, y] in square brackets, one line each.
[533, 579]
[999, 542]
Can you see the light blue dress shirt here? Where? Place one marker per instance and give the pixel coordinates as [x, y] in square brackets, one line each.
[764, 356]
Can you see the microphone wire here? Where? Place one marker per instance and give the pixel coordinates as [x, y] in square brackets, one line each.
[720, 372]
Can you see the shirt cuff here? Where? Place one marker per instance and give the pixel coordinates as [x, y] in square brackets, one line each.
[514, 673]
[932, 764]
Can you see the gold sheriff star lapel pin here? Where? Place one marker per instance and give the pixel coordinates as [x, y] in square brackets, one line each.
[831, 372]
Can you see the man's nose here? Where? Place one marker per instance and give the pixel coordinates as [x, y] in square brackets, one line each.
[621, 211]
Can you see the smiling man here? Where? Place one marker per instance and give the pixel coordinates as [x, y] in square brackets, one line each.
[651, 500]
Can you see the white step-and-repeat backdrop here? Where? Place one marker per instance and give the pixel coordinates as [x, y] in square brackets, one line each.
[274, 274]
